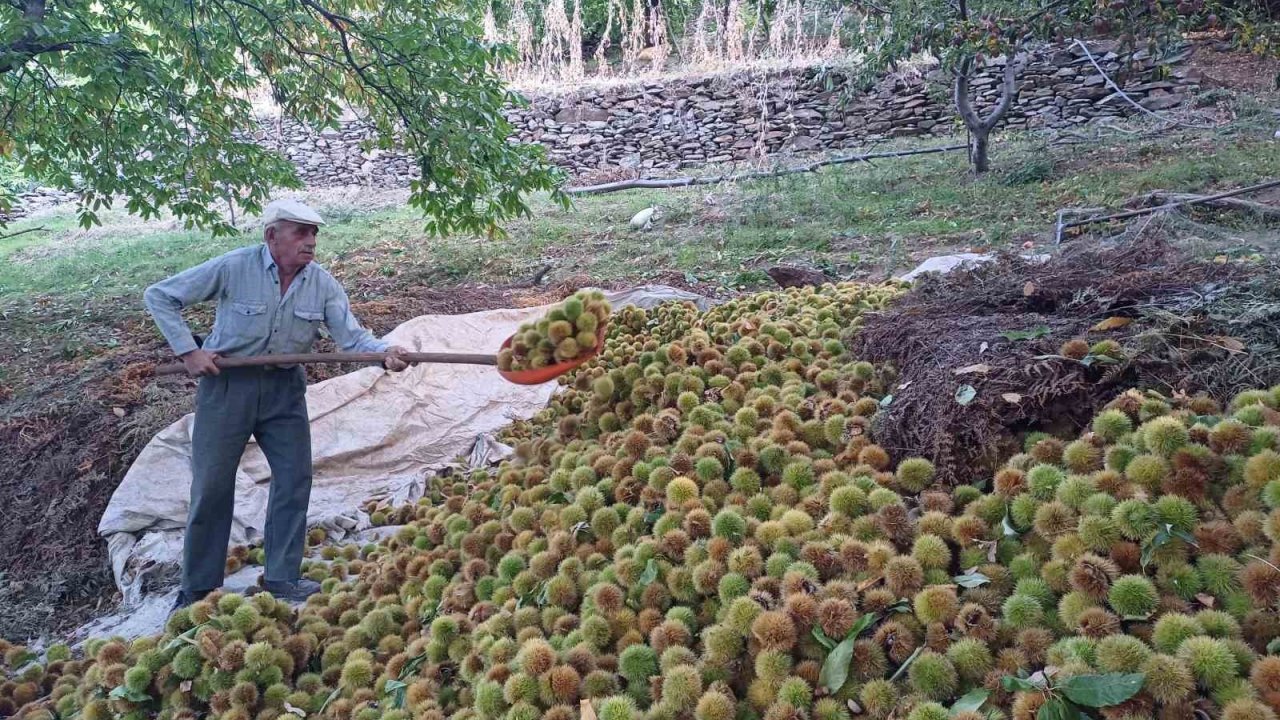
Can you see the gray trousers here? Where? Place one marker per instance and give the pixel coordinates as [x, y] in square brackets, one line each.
[271, 406]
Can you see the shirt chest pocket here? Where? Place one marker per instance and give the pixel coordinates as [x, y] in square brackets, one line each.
[244, 320]
[305, 324]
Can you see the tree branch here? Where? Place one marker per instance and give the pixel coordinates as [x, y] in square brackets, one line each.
[963, 105]
[1006, 97]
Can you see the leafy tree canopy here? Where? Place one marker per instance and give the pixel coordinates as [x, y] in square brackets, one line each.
[148, 100]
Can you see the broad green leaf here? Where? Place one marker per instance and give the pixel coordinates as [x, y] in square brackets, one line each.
[1056, 708]
[971, 580]
[835, 669]
[1013, 683]
[650, 573]
[863, 623]
[395, 689]
[965, 394]
[1273, 647]
[822, 638]
[1102, 690]
[971, 701]
[126, 693]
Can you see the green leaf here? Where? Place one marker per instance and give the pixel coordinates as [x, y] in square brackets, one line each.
[187, 637]
[1013, 683]
[650, 573]
[965, 394]
[126, 693]
[558, 498]
[1273, 647]
[1006, 525]
[863, 623]
[971, 701]
[395, 689]
[1034, 333]
[1102, 690]
[332, 696]
[822, 638]
[411, 668]
[886, 400]
[835, 669]
[971, 580]
[1055, 708]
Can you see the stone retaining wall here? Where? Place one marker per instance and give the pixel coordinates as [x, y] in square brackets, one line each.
[664, 126]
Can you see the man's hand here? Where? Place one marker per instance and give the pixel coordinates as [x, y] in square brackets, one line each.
[396, 360]
[200, 363]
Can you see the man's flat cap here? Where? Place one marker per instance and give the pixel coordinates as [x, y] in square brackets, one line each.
[291, 210]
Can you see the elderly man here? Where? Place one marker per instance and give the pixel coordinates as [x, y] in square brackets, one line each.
[272, 299]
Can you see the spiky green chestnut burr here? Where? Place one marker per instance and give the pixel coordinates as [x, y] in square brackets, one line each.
[1133, 596]
[1211, 661]
[1121, 654]
[933, 676]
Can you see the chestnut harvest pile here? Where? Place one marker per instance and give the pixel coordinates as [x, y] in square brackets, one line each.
[701, 526]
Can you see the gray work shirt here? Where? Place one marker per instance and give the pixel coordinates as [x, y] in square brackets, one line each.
[252, 317]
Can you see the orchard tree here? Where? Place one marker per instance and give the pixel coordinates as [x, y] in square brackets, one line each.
[149, 101]
[963, 34]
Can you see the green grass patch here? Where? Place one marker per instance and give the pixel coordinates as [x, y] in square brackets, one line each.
[845, 218]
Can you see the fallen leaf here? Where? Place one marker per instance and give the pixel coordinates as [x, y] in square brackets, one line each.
[185, 686]
[1111, 323]
[586, 712]
[295, 710]
[1029, 289]
[983, 347]
[1206, 600]
[905, 385]
[854, 707]
[965, 394]
[1231, 344]
[119, 411]
[1011, 397]
[979, 368]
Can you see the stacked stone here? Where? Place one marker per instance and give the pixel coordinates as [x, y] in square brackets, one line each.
[662, 126]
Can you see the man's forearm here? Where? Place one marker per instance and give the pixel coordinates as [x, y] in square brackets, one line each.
[167, 312]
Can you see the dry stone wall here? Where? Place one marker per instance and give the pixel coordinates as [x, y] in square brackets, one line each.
[664, 126]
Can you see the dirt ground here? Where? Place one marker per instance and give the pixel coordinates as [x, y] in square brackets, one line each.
[1224, 67]
[72, 428]
[988, 355]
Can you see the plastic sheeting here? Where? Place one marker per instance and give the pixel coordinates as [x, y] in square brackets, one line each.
[375, 435]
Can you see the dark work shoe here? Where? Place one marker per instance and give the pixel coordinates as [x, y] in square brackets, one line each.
[185, 599]
[291, 590]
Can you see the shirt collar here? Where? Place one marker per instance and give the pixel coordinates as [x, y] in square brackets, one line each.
[269, 263]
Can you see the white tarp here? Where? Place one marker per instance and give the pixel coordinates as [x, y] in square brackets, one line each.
[374, 435]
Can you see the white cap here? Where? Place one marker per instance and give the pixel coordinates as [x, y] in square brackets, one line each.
[291, 210]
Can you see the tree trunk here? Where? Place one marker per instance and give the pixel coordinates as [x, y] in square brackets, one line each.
[979, 127]
[978, 150]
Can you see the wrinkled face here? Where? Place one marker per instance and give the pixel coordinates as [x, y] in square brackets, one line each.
[292, 244]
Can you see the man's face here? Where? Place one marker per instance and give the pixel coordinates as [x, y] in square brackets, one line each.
[292, 244]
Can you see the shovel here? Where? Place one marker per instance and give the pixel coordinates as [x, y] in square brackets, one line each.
[535, 376]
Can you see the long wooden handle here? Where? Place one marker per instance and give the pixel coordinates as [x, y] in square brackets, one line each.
[309, 358]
